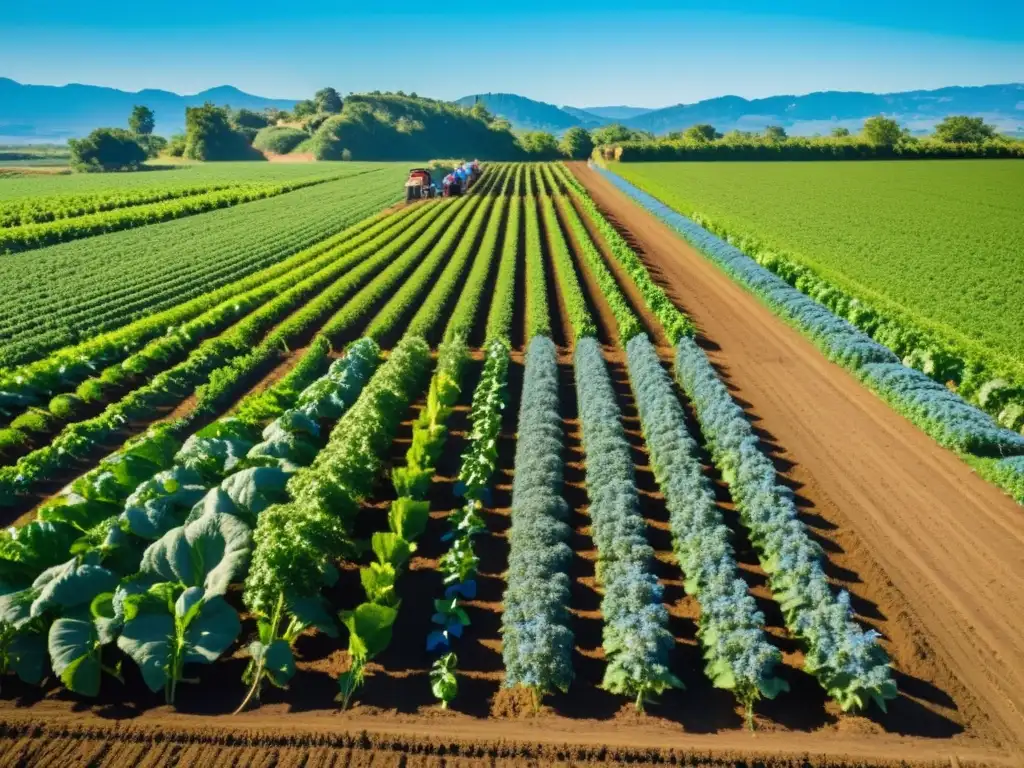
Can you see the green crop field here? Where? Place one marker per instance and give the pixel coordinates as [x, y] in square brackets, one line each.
[182, 175]
[940, 240]
[68, 291]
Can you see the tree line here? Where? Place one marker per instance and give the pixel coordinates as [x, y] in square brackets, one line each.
[399, 126]
[880, 137]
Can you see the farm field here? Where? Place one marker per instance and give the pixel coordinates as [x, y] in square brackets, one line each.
[577, 497]
[169, 177]
[66, 292]
[936, 242]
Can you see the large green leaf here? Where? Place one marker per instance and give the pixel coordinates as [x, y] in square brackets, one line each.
[160, 641]
[70, 585]
[378, 580]
[32, 548]
[256, 488]
[78, 511]
[148, 639]
[75, 645]
[369, 627]
[212, 628]
[208, 552]
[26, 656]
[391, 548]
[408, 518]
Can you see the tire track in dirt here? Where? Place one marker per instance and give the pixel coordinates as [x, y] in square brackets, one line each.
[939, 551]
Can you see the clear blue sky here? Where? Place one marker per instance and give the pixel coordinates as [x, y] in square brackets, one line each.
[584, 54]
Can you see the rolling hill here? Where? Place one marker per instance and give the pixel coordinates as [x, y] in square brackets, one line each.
[42, 113]
[1001, 105]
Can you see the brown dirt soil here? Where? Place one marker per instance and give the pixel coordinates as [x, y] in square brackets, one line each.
[295, 157]
[938, 550]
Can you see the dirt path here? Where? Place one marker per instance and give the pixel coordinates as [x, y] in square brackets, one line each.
[949, 546]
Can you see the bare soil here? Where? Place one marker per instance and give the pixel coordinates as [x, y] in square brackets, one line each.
[932, 555]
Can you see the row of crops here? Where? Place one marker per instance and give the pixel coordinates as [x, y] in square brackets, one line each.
[994, 450]
[882, 245]
[228, 513]
[75, 291]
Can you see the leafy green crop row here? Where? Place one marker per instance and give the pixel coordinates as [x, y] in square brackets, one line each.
[63, 369]
[499, 317]
[71, 291]
[675, 323]
[537, 639]
[125, 524]
[28, 236]
[213, 360]
[636, 639]
[580, 319]
[39, 210]
[538, 318]
[461, 323]
[296, 542]
[451, 277]
[160, 353]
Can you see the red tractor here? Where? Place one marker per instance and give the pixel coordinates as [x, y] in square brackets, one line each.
[419, 185]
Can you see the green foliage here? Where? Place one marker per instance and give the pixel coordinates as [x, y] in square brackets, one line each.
[882, 131]
[278, 139]
[327, 100]
[961, 129]
[876, 230]
[576, 143]
[538, 320]
[210, 135]
[625, 319]
[141, 120]
[840, 132]
[170, 265]
[699, 132]
[395, 126]
[565, 273]
[675, 323]
[176, 145]
[107, 149]
[304, 108]
[775, 133]
[499, 318]
[615, 133]
[443, 683]
[540, 145]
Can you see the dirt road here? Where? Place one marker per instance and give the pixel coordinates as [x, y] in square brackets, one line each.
[949, 545]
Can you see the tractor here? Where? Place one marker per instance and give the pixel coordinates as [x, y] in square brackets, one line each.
[418, 186]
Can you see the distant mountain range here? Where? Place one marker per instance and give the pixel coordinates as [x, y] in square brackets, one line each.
[1001, 105]
[45, 113]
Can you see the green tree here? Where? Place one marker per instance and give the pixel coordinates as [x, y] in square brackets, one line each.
[612, 134]
[701, 132]
[327, 100]
[480, 112]
[107, 149]
[541, 144]
[304, 108]
[840, 133]
[577, 144]
[882, 131]
[141, 120]
[248, 122]
[209, 135]
[775, 133]
[961, 129]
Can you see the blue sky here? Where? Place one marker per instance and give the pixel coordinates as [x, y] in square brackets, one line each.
[584, 54]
